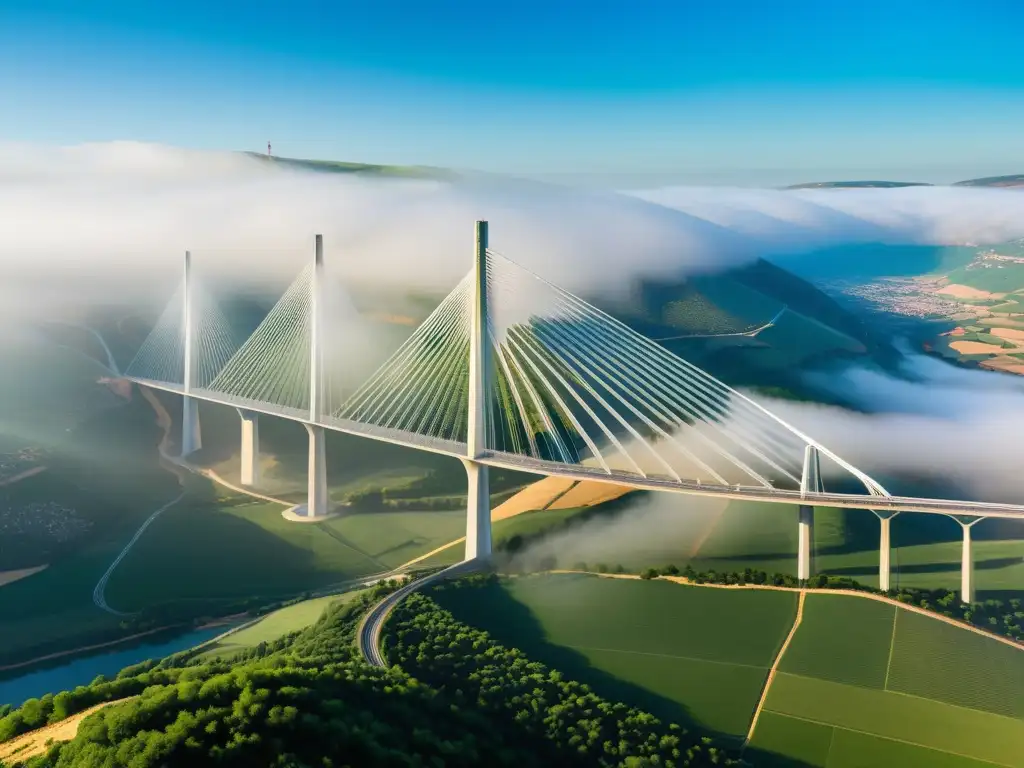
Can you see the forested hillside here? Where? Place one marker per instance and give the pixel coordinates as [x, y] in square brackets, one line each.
[309, 700]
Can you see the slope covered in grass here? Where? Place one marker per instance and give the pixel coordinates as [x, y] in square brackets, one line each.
[685, 653]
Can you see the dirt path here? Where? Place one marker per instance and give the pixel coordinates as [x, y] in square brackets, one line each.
[35, 742]
[775, 666]
[22, 476]
[163, 419]
[231, 486]
[99, 597]
[9, 577]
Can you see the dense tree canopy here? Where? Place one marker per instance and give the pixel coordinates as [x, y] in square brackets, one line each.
[467, 665]
[308, 700]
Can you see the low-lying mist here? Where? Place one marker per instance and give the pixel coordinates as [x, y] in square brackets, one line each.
[97, 220]
[941, 423]
[109, 222]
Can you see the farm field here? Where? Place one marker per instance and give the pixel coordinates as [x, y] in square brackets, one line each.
[274, 625]
[866, 683]
[687, 654]
[250, 550]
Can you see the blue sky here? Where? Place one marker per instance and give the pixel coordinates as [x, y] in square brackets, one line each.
[735, 90]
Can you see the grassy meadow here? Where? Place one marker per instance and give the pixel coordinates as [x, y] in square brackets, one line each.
[249, 549]
[274, 625]
[688, 654]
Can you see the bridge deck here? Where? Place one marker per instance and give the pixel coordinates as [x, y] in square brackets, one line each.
[893, 504]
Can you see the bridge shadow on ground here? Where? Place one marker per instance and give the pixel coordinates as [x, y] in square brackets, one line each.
[511, 623]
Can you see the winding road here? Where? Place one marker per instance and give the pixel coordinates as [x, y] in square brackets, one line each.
[99, 592]
[372, 626]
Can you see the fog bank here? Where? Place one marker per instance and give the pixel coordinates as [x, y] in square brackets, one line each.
[110, 218]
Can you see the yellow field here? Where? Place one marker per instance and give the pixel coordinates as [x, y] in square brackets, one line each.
[975, 348]
[1016, 334]
[9, 577]
[536, 496]
[37, 742]
[966, 292]
[588, 493]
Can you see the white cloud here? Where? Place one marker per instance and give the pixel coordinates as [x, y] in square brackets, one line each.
[948, 423]
[119, 215]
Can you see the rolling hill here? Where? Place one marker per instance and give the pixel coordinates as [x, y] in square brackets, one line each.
[858, 185]
[860, 682]
[1013, 180]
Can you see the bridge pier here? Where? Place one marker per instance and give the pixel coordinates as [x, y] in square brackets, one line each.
[316, 489]
[478, 511]
[805, 543]
[250, 448]
[810, 482]
[885, 550]
[191, 435]
[967, 588]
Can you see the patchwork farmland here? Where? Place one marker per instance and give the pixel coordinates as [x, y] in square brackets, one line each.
[866, 683]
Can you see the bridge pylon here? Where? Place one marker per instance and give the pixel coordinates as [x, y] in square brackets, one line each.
[191, 436]
[478, 498]
[810, 482]
[316, 500]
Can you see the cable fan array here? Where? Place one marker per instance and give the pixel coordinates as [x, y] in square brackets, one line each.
[568, 385]
[161, 358]
[573, 385]
[422, 391]
[272, 366]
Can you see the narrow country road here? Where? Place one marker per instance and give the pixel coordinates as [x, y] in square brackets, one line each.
[99, 592]
[372, 626]
[775, 666]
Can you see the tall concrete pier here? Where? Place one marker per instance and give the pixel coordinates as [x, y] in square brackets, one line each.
[191, 436]
[967, 587]
[810, 482]
[478, 499]
[250, 448]
[885, 550]
[316, 501]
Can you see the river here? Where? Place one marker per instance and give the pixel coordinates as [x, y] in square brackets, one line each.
[84, 669]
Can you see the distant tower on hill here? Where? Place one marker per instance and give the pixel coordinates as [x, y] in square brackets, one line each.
[269, 154]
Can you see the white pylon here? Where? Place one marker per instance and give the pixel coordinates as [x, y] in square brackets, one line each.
[316, 501]
[810, 482]
[191, 436]
[478, 498]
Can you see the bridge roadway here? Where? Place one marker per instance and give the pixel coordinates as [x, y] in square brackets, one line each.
[948, 507]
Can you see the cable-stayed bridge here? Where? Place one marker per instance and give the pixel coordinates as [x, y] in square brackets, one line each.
[509, 371]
